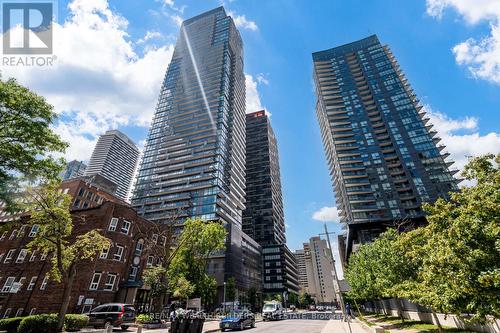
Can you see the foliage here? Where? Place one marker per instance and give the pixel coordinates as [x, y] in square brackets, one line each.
[10, 324]
[26, 138]
[75, 322]
[252, 297]
[230, 289]
[143, 318]
[182, 288]
[198, 240]
[293, 299]
[153, 277]
[305, 300]
[457, 253]
[451, 265]
[49, 209]
[42, 323]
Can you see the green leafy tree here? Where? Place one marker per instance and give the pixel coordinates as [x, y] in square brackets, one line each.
[305, 300]
[293, 299]
[457, 253]
[26, 139]
[199, 240]
[182, 288]
[50, 211]
[231, 290]
[252, 298]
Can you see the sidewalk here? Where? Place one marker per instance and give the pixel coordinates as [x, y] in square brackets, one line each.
[337, 326]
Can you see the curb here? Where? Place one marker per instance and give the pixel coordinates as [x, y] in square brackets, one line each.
[371, 329]
[218, 329]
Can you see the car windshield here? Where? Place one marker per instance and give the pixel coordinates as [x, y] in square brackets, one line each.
[269, 306]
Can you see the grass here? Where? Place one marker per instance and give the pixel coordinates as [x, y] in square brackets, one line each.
[422, 327]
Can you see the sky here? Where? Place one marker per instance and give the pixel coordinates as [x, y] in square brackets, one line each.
[111, 57]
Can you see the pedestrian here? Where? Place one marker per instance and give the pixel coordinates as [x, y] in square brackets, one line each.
[348, 311]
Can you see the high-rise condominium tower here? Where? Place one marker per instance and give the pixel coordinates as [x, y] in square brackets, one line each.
[384, 158]
[194, 158]
[73, 169]
[115, 158]
[263, 218]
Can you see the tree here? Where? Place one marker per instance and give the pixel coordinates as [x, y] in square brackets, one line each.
[252, 297]
[199, 239]
[231, 290]
[26, 139]
[457, 253]
[50, 211]
[293, 299]
[183, 289]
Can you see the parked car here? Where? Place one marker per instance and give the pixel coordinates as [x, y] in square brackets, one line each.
[272, 310]
[312, 307]
[112, 314]
[239, 320]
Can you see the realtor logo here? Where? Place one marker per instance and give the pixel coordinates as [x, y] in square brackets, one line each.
[27, 27]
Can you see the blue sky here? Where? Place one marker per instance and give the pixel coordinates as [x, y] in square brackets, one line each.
[113, 55]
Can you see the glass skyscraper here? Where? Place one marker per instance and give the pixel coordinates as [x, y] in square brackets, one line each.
[384, 157]
[194, 158]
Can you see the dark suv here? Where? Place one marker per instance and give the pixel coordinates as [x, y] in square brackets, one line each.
[115, 314]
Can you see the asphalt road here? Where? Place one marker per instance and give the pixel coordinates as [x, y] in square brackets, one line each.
[289, 326]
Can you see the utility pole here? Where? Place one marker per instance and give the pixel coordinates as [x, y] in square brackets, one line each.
[224, 301]
[336, 283]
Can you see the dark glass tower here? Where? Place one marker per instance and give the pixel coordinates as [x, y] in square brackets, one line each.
[194, 158]
[383, 155]
[263, 218]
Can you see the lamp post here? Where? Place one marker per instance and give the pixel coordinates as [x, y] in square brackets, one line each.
[224, 298]
[336, 284]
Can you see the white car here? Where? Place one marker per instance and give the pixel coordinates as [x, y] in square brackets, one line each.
[272, 310]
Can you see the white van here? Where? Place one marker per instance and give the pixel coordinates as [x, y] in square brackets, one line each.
[272, 310]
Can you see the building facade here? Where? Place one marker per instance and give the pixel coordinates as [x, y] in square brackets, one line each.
[383, 154]
[194, 158]
[263, 218]
[315, 270]
[73, 169]
[115, 158]
[114, 275]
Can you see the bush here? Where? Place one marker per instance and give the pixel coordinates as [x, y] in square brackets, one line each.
[42, 323]
[75, 322]
[10, 324]
[143, 318]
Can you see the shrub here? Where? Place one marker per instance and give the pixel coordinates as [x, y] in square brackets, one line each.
[10, 324]
[42, 323]
[75, 322]
[143, 318]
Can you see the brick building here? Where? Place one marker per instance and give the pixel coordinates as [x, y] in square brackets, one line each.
[113, 276]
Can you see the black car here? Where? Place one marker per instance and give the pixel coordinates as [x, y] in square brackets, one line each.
[115, 314]
[238, 320]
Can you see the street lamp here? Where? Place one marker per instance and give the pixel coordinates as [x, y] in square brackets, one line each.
[224, 298]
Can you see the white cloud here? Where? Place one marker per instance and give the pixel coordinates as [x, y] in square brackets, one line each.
[252, 95]
[98, 80]
[262, 79]
[242, 22]
[149, 36]
[177, 19]
[462, 138]
[480, 56]
[326, 214]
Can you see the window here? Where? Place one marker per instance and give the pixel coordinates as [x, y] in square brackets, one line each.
[110, 282]
[133, 273]
[13, 234]
[113, 224]
[19, 312]
[33, 255]
[32, 311]
[8, 284]
[119, 253]
[43, 256]
[44, 283]
[32, 283]
[150, 261]
[34, 230]
[154, 238]
[104, 253]
[4, 235]
[7, 313]
[126, 227]
[163, 240]
[138, 247]
[9, 255]
[22, 254]
[22, 231]
[94, 284]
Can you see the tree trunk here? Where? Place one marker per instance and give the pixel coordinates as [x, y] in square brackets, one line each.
[434, 315]
[68, 285]
[400, 309]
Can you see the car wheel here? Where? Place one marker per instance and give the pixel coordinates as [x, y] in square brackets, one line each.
[108, 324]
[124, 327]
[253, 324]
[242, 326]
